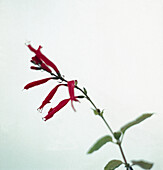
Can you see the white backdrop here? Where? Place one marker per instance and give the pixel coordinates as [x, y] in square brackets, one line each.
[113, 48]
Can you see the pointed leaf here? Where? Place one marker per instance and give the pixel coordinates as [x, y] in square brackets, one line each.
[138, 120]
[95, 112]
[85, 91]
[100, 143]
[143, 164]
[113, 164]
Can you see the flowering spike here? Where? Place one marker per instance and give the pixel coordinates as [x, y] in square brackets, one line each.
[52, 111]
[44, 58]
[50, 96]
[36, 83]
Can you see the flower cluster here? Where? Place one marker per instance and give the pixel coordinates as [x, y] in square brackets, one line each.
[43, 63]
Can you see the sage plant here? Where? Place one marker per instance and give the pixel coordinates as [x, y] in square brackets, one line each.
[41, 62]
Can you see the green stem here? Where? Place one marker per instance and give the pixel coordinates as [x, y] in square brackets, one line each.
[107, 124]
[88, 98]
[118, 143]
[123, 155]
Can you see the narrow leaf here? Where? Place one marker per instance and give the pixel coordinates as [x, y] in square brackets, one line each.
[113, 164]
[100, 143]
[138, 120]
[95, 112]
[143, 164]
[85, 91]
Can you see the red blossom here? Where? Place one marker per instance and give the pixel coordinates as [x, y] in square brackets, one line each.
[52, 111]
[50, 96]
[36, 83]
[71, 86]
[44, 58]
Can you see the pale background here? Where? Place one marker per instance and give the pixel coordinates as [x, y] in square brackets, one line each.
[114, 48]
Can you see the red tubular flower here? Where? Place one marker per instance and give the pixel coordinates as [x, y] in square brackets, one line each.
[47, 61]
[71, 86]
[52, 111]
[44, 58]
[50, 96]
[36, 83]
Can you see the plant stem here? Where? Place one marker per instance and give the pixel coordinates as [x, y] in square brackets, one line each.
[118, 143]
[101, 115]
[124, 158]
[107, 125]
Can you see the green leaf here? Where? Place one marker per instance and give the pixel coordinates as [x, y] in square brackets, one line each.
[98, 112]
[143, 164]
[117, 135]
[100, 143]
[85, 91]
[113, 164]
[95, 111]
[138, 120]
[101, 113]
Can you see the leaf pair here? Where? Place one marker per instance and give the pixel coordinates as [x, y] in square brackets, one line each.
[117, 135]
[113, 164]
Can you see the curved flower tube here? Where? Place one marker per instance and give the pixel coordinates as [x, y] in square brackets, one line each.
[52, 111]
[50, 96]
[36, 83]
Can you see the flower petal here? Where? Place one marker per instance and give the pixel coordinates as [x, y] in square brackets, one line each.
[50, 96]
[52, 111]
[36, 83]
